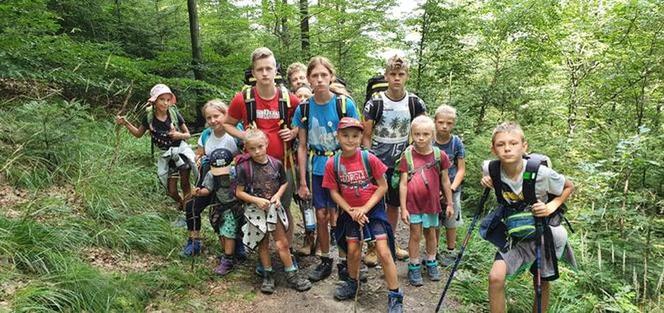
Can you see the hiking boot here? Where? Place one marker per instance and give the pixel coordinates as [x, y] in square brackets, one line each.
[346, 290]
[447, 257]
[402, 254]
[260, 271]
[193, 247]
[371, 259]
[240, 253]
[322, 271]
[432, 270]
[297, 282]
[225, 266]
[395, 302]
[415, 275]
[342, 270]
[268, 283]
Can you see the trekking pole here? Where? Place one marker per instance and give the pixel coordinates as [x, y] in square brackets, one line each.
[480, 206]
[193, 210]
[357, 291]
[538, 257]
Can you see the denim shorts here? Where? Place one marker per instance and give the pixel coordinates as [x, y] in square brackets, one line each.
[320, 196]
[375, 230]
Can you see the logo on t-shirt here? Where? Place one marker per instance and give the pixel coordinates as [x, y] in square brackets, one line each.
[267, 114]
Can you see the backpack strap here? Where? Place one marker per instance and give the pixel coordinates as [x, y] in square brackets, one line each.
[377, 107]
[205, 135]
[494, 173]
[529, 178]
[304, 119]
[408, 154]
[367, 165]
[414, 106]
[284, 106]
[250, 106]
[436, 158]
[173, 114]
[341, 106]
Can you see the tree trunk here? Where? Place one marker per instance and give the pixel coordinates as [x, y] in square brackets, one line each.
[420, 63]
[196, 52]
[304, 28]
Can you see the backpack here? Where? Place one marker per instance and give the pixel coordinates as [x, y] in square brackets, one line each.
[365, 163]
[250, 80]
[408, 155]
[377, 107]
[375, 84]
[244, 161]
[172, 114]
[249, 96]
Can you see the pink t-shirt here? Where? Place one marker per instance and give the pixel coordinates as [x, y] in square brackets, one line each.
[352, 178]
[424, 186]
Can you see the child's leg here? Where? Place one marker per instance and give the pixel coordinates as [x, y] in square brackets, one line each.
[414, 242]
[450, 236]
[264, 253]
[184, 183]
[497, 286]
[229, 245]
[173, 191]
[431, 242]
[545, 296]
[322, 216]
[353, 258]
[281, 241]
[386, 261]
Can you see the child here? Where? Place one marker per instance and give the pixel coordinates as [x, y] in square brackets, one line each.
[445, 119]
[422, 168]
[260, 184]
[357, 184]
[169, 133]
[225, 220]
[303, 93]
[212, 138]
[297, 76]
[509, 145]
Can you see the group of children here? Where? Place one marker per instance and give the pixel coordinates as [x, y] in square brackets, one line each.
[356, 171]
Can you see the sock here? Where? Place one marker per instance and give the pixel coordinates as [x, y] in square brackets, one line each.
[415, 261]
[325, 255]
[394, 290]
[292, 268]
[342, 259]
[228, 256]
[431, 257]
[450, 249]
[267, 269]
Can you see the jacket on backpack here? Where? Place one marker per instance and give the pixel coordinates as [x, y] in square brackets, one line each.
[163, 168]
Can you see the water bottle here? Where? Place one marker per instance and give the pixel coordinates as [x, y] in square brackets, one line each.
[309, 216]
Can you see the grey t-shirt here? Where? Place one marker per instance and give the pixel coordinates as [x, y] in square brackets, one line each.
[222, 192]
[547, 181]
[390, 135]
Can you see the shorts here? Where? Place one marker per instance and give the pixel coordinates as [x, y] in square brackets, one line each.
[228, 228]
[225, 219]
[457, 219]
[375, 230]
[427, 220]
[320, 196]
[522, 255]
[392, 194]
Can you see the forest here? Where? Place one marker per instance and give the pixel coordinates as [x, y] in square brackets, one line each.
[85, 225]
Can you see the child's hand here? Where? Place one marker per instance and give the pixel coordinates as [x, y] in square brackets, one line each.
[542, 210]
[196, 192]
[303, 192]
[286, 134]
[449, 211]
[275, 199]
[173, 133]
[405, 216]
[120, 120]
[486, 182]
[262, 203]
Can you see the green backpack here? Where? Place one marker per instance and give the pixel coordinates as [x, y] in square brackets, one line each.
[408, 155]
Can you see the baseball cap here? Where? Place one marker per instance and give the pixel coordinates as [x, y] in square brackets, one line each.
[158, 90]
[348, 122]
[220, 161]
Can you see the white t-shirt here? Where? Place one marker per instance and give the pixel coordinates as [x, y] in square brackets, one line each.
[213, 142]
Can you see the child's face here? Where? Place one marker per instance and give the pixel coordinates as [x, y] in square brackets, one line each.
[303, 94]
[320, 79]
[445, 124]
[396, 80]
[163, 101]
[257, 149]
[349, 138]
[214, 117]
[422, 136]
[264, 71]
[297, 79]
[509, 147]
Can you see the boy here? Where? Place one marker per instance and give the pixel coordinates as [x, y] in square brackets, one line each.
[509, 145]
[386, 132]
[227, 214]
[423, 168]
[445, 120]
[297, 76]
[357, 184]
[261, 182]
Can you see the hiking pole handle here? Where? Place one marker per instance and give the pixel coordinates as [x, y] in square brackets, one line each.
[469, 233]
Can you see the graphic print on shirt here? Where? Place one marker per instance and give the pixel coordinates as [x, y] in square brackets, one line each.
[267, 114]
[320, 137]
[354, 180]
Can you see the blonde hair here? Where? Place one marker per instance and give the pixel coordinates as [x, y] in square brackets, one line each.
[262, 53]
[423, 121]
[320, 60]
[507, 127]
[216, 104]
[445, 109]
[396, 63]
[339, 89]
[294, 68]
[253, 134]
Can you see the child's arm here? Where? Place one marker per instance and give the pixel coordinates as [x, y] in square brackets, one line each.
[201, 192]
[183, 134]
[200, 152]
[403, 195]
[355, 213]
[137, 132]
[449, 211]
[542, 210]
[376, 196]
[277, 196]
[461, 171]
[229, 127]
[246, 197]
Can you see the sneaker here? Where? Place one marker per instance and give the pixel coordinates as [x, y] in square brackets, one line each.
[371, 259]
[395, 302]
[346, 290]
[180, 222]
[268, 283]
[402, 254]
[432, 270]
[297, 282]
[333, 241]
[447, 257]
[240, 253]
[342, 270]
[260, 271]
[322, 271]
[225, 266]
[415, 275]
[193, 247]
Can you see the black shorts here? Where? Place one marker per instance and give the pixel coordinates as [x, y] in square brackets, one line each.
[392, 194]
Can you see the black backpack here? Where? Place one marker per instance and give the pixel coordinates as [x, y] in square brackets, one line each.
[249, 96]
[375, 84]
[341, 110]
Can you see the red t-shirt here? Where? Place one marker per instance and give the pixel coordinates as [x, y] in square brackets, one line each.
[423, 198]
[351, 175]
[267, 119]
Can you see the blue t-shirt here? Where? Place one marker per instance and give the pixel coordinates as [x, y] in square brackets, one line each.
[455, 151]
[322, 134]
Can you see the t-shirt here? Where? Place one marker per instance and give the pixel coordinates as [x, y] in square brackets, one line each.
[390, 136]
[458, 153]
[547, 181]
[222, 192]
[322, 134]
[424, 186]
[267, 118]
[213, 142]
[160, 130]
[356, 185]
[266, 178]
